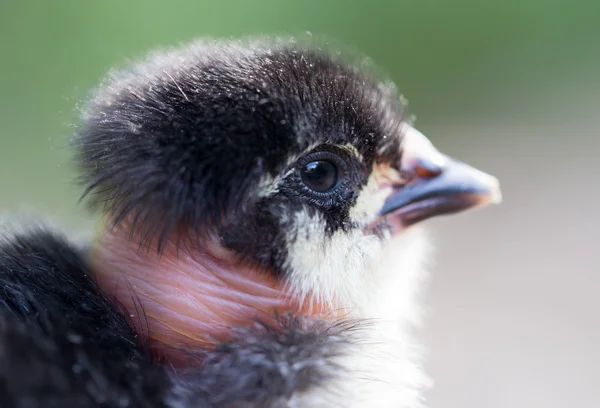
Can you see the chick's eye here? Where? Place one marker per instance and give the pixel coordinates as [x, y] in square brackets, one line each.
[320, 176]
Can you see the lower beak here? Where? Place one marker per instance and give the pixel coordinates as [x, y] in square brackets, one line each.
[437, 185]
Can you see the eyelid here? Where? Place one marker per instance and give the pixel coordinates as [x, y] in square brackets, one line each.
[323, 155]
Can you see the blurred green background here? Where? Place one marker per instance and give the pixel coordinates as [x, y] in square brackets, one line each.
[511, 86]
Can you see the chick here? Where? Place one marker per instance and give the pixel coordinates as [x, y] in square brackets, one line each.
[262, 204]
[268, 178]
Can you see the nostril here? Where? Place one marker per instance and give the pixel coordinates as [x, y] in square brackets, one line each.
[420, 159]
[427, 169]
[420, 168]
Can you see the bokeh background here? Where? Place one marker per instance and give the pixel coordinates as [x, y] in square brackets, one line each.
[512, 87]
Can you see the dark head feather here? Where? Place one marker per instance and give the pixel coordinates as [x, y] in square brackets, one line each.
[183, 139]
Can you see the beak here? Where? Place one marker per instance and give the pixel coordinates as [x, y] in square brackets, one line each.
[434, 184]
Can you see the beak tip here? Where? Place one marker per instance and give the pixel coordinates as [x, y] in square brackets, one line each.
[495, 192]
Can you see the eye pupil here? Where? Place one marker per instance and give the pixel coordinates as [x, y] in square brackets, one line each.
[320, 176]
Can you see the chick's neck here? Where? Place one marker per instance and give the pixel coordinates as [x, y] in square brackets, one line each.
[187, 298]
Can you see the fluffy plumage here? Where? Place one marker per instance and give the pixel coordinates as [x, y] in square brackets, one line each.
[263, 156]
[64, 343]
[193, 135]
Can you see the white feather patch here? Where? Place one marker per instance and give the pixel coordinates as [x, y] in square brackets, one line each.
[373, 279]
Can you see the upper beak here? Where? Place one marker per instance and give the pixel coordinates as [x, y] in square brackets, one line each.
[434, 184]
